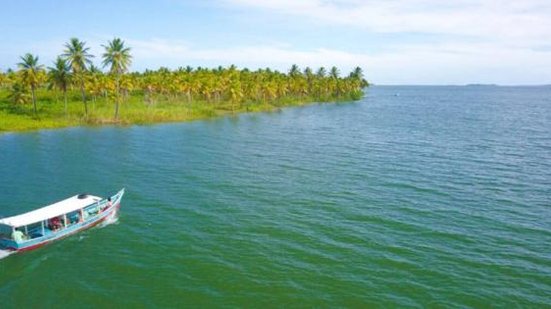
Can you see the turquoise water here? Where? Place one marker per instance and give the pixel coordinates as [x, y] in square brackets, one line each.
[413, 196]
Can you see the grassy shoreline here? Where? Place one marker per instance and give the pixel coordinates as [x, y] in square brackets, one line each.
[51, 114]
[152, 96]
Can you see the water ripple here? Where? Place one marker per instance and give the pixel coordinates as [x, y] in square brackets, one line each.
[438, 197]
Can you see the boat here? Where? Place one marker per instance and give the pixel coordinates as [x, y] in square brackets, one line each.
[44, 225]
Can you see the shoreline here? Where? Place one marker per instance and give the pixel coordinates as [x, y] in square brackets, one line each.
[157, 115]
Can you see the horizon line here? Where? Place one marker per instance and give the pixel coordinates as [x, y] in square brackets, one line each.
[460, 85]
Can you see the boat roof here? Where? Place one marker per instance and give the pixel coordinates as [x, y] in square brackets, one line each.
[68, 205]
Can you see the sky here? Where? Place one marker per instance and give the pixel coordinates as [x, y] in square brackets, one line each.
[395, 41]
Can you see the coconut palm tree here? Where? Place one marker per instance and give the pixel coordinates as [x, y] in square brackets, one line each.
[11, 78]
[78, 57]
[334, 73]
[118, 57]
[31, 74]
[357, 73]
[309, 78]
[321, 72]
[294, 71]
[308, 72]
[60, 75]
[18, 94]
[3, 79]
[92, 83]
[235, 90]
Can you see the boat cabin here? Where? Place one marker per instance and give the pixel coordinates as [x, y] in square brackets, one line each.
[50, 222]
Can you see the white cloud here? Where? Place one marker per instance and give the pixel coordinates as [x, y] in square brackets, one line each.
[527, 20]
[485, 41]
[445, 63]
[438, 63]
[497, 41]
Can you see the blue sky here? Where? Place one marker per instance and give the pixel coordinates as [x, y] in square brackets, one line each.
[394, 41]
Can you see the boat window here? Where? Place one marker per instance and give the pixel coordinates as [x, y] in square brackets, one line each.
[73, 217]
[34, 230]
[92, 210]
[5, 231]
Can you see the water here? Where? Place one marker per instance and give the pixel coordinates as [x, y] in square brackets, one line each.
[414, 196]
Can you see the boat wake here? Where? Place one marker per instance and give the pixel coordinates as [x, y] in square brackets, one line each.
[111, 219]
[5, 253]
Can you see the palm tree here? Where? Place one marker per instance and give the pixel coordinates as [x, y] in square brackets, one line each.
[309, 78]
[60, 75]
[18, 94]
[321, 72]
[31, 72]
[118, 57]
[3, 79]
[308, 72]
[357, 73]
[334, 73]
[93, 83]
[77, 55]
[294, 71]
[235, 90]
[11, 78]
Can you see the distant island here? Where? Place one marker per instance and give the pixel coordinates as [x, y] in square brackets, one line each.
[482, 85]
[73, 91]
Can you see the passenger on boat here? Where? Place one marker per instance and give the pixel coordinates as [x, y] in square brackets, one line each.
[106, 205]
[55, 224]
[18, 236]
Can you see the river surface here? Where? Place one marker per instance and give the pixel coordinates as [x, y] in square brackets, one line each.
[412, 196]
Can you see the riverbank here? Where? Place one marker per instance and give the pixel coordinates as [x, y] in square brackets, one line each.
[51, 112]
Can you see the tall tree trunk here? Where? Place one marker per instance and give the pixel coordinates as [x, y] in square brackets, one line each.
[117, 100]
[84, 98]
[147, 97]
[34, 99]
[65, 99]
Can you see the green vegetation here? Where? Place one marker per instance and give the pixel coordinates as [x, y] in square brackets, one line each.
[33, 98]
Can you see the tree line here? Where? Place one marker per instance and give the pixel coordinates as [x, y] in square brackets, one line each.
[74, 70]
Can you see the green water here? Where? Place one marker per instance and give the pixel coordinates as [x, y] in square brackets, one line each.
[413, 196]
